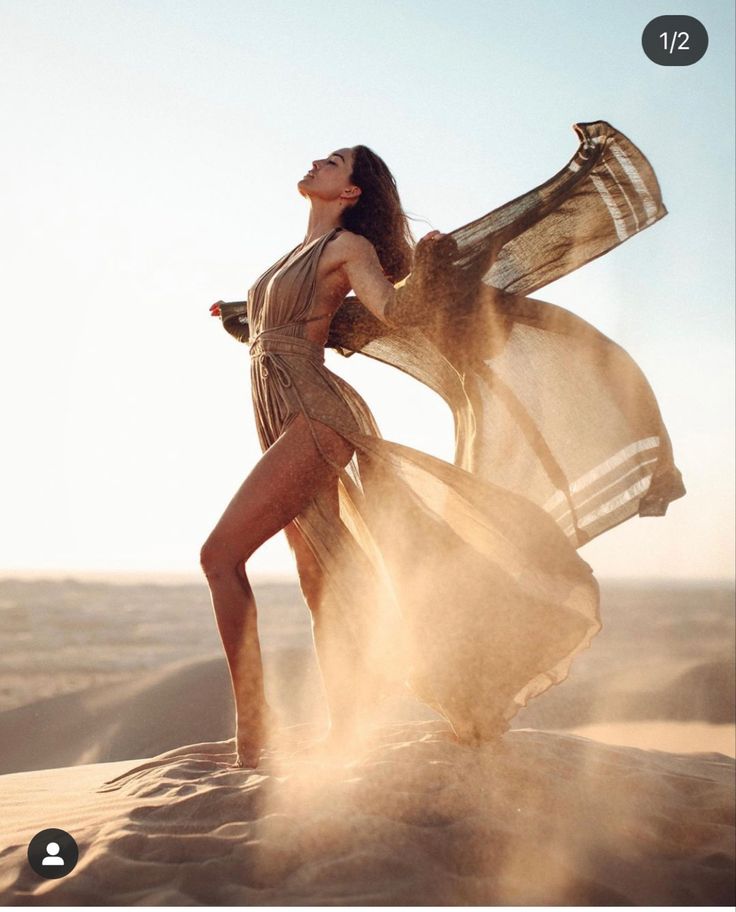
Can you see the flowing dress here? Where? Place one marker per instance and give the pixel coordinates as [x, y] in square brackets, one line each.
[461, 583]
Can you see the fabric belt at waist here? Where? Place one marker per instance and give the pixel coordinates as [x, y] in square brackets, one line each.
[267, 344]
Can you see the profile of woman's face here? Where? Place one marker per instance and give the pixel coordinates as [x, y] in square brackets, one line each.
[329, 176]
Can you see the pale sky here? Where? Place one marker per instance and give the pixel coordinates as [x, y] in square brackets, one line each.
[150, 157]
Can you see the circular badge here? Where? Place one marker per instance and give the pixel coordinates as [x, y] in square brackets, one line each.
[52, 853]
[674, 40]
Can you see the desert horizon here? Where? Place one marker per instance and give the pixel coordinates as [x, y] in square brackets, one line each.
[127, 685]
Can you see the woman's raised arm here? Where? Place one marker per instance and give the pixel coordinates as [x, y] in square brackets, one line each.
[395, 305]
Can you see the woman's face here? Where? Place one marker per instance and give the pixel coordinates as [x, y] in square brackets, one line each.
[328, 176]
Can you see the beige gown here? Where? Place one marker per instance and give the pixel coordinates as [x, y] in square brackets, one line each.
[461, 583]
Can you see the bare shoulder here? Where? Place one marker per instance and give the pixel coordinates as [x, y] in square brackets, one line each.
[363, 272]
[352, 247]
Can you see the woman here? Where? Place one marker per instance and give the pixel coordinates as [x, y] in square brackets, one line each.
[460, 583]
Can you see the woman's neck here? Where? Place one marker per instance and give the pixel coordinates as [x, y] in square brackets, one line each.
[320, 223]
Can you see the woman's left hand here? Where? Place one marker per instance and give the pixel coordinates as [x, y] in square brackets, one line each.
[429, 246]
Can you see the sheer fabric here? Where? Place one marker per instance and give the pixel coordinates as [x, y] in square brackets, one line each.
[462, 582]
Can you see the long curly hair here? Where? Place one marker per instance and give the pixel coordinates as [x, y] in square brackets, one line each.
[378, 214]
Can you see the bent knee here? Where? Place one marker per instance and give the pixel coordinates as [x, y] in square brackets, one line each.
[217, 559]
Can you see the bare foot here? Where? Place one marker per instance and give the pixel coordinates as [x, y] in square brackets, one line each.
[247, 755]
[251, 738]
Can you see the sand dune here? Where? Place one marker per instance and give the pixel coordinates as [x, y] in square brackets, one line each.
[190, 701]
[674, 737]
[580, 804]
[412, 818]
[180, 704]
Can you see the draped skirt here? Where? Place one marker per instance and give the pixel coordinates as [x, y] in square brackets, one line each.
[436, 583]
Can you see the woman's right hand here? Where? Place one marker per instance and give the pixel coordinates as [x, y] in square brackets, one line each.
[215, 308]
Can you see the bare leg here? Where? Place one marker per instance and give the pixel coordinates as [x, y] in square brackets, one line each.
[287, 477]
[235, 613]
